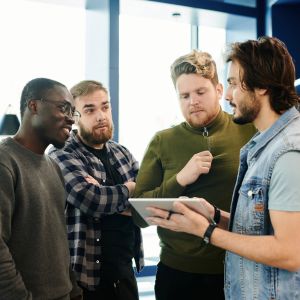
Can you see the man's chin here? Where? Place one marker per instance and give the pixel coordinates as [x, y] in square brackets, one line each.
[58, 144]
[241, 120]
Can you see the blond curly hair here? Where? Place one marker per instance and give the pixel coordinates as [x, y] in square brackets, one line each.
[195, 62]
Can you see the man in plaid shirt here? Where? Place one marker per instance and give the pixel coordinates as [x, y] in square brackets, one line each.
[100, 177]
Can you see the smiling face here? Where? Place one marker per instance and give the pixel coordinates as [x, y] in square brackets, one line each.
[199, 99]
[51, 124]
[246, 106]
[95, 126]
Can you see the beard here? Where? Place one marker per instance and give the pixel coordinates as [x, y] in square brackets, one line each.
[58, 144]
[94, 139]
[248, 109]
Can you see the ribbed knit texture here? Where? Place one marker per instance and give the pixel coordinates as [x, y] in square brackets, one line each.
[167, 154]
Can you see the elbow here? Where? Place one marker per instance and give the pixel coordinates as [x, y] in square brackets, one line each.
[292, 264]
[293, 268]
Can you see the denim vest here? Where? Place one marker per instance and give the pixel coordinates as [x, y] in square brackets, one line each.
[245, 279]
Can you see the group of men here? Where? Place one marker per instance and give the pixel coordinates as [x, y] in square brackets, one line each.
[67, 230]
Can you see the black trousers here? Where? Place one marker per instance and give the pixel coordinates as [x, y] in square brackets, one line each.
[122, 289]
[171, 284]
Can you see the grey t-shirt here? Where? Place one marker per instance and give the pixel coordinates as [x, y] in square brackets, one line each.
[284, 193]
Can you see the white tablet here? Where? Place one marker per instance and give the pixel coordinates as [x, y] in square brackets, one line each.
[140, 205]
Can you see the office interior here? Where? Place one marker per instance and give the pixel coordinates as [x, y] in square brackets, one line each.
[129, 45]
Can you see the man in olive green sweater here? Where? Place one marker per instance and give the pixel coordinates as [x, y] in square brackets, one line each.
[198, 158]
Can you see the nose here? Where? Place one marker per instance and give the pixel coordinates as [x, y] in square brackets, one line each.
[70, 119]
[100, 115]
[194, 99]
[228, 95]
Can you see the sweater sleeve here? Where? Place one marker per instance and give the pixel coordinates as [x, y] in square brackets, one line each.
[11, 283]
[150, 180]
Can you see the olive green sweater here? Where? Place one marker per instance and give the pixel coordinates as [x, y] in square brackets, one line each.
[167, 154]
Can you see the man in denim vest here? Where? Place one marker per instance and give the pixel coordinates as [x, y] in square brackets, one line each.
[261, 233]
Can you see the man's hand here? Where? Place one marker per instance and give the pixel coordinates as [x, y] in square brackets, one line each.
[131, 187]
[200, 163]
[183, 219]
[92, 180]
[126, 212]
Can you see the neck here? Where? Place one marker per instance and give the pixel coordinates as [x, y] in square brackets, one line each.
[266, 118]
[29, 140]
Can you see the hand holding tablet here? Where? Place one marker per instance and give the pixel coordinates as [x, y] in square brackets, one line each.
[195, 204]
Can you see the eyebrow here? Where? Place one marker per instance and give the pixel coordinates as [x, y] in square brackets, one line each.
[203, 88]
[93, 105]
[65, 101]
[88, 105]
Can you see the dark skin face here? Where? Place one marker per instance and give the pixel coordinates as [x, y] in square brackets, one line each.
[44, 123]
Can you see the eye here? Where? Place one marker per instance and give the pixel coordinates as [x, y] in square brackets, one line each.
[88, 110]
[63, 107]
[231, 83]
[184, 97]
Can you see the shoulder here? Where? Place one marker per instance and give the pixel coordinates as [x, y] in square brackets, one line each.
[117, 148]
[71, 149]
[169, 133]
[287, 161]
[10, 153]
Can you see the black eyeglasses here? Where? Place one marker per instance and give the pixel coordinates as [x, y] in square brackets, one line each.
[66, 108]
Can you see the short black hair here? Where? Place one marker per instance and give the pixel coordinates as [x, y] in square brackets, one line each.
[36, 89]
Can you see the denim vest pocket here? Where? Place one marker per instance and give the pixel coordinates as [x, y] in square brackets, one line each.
[251, 207]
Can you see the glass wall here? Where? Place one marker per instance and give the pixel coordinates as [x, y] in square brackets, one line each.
[148, 101]
[249, 3]
[39, 40]
[147, 96]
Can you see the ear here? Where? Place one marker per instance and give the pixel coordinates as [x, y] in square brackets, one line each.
[32, 106]
[261, 92]
[219, 89]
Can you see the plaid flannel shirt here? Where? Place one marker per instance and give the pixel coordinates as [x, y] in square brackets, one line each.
[87, 203]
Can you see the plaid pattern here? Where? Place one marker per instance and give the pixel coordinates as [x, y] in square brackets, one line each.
[86, 203]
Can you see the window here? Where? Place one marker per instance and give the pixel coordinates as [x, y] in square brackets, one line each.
[39, 40]
[148, 101]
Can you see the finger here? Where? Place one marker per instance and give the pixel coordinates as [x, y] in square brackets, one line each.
[204, 158]
[205, 152]
[183, 209]
[156, 221]
[157, 212]
[205, 164]
[204, 170]
[170, 213]
[168, 224]
[179, 207]
[186, 211]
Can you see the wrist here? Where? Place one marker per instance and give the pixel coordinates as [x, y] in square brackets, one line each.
[208, 232]
[180, 180]
[217, 215]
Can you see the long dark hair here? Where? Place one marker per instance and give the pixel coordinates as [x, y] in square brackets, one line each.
[267, 64]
